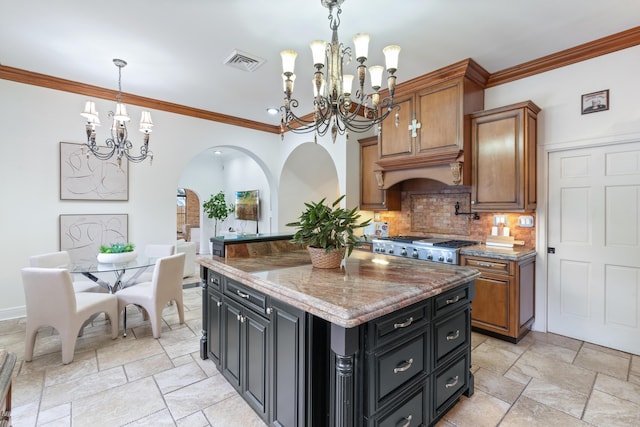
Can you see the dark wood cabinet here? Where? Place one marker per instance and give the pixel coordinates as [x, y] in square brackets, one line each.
[504, 300]
[371, 197]
[433, 125]
[503, 143]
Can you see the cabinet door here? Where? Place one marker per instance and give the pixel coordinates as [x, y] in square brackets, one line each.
[231, 338]
[214, 324]
[397, 141]
[439, 111]
[288, 362]
[490, 310]
[255, 361]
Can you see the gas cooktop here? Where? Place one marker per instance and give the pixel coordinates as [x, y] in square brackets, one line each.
[432, 249]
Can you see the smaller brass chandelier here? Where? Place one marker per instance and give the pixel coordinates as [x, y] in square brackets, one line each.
[119, 144]
[334, 105]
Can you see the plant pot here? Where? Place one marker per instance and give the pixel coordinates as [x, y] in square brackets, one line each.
[321, 259]
[119, 258]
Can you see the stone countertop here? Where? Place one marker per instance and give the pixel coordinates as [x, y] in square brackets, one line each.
[517, 253]
[246, 238]
[372, 285]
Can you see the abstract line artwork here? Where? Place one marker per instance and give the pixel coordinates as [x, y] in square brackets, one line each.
[82, 235]
[88, 178]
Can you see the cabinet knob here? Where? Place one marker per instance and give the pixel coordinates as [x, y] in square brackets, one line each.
[269, 310]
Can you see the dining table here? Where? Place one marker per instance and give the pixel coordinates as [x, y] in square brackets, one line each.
[89, 269]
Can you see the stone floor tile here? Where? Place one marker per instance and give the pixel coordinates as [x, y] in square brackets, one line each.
[519, 348]
[616, 387]
[27, 388]
[60, 422]
[179, 377]
[477, 339]
[56, 413]
[146, 367]
[182, 348]
[120, 405]
[609, 363]
[195, 397]
[497, 385]
[604, 410]
[555, 372]
[83, 364]
[567, 401]
[493, 358]
[529, 413]
[206, 365]
[24, 415]
[196, 419]
[607, 350]
[558, 340]
[157, 419]
[232, 411]
[127, 350]
[465, 412]
[562, 354]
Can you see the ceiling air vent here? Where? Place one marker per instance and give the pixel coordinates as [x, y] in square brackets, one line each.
[243, 61]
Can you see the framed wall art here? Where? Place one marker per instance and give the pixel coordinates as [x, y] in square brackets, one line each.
[82, 235]
[595, 102]
[88, 178]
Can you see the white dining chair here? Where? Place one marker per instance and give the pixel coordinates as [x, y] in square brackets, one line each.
[52, 301]
[165, 286]
[150, 251]
[61, 259]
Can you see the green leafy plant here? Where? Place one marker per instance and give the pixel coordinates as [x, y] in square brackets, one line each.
[117, 248]
[217, 208]
[328, 227]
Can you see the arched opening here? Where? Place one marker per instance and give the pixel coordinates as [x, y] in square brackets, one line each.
[188, 215]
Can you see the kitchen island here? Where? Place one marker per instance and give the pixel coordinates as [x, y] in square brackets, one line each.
[386, 342]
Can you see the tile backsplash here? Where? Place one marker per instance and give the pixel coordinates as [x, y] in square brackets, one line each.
[432, 214]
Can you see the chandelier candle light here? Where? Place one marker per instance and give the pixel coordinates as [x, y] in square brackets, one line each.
[119, 143]
[333, 106]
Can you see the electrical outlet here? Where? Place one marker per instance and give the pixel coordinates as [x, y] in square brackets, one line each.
[376, 217]
[525, 221]
[499, 219]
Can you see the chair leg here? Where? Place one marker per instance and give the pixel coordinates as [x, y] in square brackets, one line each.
[180, 307]
[29, 343]
[155, 318]
[68, 340]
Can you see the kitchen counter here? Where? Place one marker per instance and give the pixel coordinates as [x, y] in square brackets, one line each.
[373, 285]
[517, 253]
[251, 245]
[256, 237]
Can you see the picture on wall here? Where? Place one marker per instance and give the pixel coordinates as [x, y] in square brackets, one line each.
[82, 235]
[595, 102]
[247, 205]
[85, 177]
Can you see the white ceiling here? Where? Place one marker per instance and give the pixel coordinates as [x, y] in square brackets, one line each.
[175, 48]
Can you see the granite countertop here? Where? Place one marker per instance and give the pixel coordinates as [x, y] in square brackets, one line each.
[517, 253]
[371, 286]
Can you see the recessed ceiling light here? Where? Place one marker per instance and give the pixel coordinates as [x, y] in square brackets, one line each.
[272, 110]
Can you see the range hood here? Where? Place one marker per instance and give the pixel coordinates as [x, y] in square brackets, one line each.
[449, 174]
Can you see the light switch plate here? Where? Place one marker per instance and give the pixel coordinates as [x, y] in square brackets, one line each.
[525, 221]
[499, 219]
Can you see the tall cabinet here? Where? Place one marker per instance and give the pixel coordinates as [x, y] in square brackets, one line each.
[371, 197]
[503, 145]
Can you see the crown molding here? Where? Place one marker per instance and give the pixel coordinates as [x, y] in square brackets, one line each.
[42, 80]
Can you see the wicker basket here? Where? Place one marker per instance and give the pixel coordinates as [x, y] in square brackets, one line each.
[321, 259]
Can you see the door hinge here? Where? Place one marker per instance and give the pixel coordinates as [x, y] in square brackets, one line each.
[551, 250]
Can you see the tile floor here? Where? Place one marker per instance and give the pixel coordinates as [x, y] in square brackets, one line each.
[545, 380]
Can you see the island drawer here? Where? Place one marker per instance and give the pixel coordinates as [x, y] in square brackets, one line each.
[395, 325]
[449, 383]
[453, 299]
[450, 334]
[214, 279]
[411, 412]
[249, 297]
[395, 368]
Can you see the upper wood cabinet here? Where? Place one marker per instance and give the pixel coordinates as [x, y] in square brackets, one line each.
[503, 143]
[373, 198]
[440, 103]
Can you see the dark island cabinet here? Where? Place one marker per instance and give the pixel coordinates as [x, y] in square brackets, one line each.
[406, 368]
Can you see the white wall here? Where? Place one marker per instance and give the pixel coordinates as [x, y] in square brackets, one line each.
[562, 126]
[34, 120]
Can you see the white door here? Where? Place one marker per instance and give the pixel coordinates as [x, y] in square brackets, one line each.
[594, 228]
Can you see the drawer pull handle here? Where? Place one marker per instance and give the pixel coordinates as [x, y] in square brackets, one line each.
[406, 365]
[452, 382]
[453, 300]
[484, 264]
[453, 336]
[407, 421]
[215, 281]
[242, 294]
[408, 322]
[219, 303]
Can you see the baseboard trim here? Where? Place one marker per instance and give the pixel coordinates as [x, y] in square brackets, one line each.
[13, 312]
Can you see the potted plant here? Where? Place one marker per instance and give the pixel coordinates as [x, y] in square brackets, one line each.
[117, 253]
[216, 207]
[328, 232]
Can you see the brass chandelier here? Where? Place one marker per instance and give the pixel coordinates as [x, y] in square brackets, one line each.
[335, 107]
[119, 144]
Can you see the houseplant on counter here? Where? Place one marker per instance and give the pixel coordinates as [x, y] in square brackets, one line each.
[328, 232]
[216, 208]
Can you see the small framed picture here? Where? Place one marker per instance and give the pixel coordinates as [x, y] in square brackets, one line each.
[595, 102]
